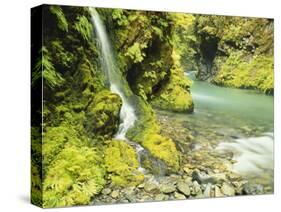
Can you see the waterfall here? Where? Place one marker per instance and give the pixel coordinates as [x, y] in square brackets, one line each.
[116, 82]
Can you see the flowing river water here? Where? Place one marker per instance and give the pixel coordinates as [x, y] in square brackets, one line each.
[243, 121]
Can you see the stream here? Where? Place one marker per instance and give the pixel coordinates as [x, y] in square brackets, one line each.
[234, 121]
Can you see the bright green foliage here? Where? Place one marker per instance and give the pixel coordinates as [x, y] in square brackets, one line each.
[103, 113]
[62, 22]
[237, 51]
[44, 67]
[164, 149]
[239, 73]
[63, 57]
[175, 95]
[135, 52]
[76, 175]
[122, 164]
[84, 27]
[36, 166]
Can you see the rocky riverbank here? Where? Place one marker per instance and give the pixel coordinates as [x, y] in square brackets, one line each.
[205, 172]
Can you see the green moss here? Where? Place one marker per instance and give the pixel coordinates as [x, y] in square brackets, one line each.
[103, 113]
[174, 95]
[76, 175]
[146, 131]
[164, 149]
[122, 164]
[256, 73]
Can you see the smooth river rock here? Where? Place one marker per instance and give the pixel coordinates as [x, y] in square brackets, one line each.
[183, 188]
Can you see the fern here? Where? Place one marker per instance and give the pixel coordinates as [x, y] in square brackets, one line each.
[84, 27]
[45, 68]
[62, 22]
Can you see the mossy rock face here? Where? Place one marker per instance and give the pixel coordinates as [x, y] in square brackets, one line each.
[255, 73]
[163, 148]
[74, 177]
[122, 164]
[103, 113]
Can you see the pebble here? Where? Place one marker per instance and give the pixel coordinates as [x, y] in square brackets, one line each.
[179, 196]
[151, 187]
[227, 189]
[218, 192]
[167, 188]
[160, 197]
[106, 191]
[183, 188]
[114, 194]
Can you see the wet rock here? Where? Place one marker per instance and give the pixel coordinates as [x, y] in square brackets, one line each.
[188, 171]
[218, 192]
[208, 190]
[167, 188]
[196, 189]
[114, 194]
[141, 185]
[204, 178]
[183, 188]
[179, 196]
[227, 189]
[253, 189]
[160, 197]
[151, 188]
[106, 191]
[129, 193]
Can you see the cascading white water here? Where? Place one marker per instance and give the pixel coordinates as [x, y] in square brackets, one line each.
[127, 113]
[252, 155]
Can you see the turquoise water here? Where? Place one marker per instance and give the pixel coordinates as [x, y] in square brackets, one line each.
[245, 118]
[233, 108]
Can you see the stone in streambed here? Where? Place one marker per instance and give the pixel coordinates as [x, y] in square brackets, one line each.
[179, 196]
[106, 191]
[204, 178]
[167, 188]
[218, 192]
[208, 190]
[183, 188]
[196, 189]
[160, 197]
[227, 189]
[151, 188]
[114, 194]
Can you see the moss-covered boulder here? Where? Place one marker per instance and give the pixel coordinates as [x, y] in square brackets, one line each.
[122, 164]
[103, 113]
[163, 148]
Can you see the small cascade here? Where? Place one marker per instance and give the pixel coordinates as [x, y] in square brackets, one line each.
[117, 84]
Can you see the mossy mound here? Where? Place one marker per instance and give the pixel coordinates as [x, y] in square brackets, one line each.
[163, 148]
[103, 113]
[122, 164]
[74, 177]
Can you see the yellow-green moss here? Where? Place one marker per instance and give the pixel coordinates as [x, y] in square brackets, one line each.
[163, 148]
[122, 164]
[175, 94]
[256, 73]
[103, 113]
[75, 176]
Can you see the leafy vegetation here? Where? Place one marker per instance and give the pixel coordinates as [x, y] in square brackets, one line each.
[74, 152]
[122, 164]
